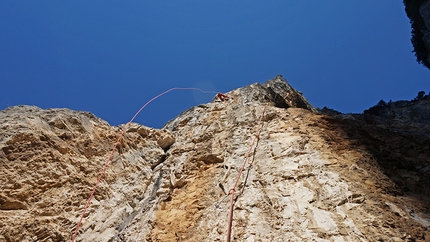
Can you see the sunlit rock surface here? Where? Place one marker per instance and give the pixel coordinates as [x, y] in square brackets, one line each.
[311, 177]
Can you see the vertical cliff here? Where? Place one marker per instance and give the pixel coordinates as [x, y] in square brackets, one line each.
[310, 177]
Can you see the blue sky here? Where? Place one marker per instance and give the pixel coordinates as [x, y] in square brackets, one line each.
[110, 57]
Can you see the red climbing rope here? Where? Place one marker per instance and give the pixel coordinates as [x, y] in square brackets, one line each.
[116, 144]
[233, 189]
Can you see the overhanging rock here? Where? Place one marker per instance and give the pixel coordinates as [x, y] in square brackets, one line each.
[276, 91]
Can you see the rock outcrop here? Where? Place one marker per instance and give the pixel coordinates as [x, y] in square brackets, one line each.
[418, 12]
[311, 176]
[51, 159]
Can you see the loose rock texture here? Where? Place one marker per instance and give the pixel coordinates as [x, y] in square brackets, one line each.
[311, 176]
[49, 163]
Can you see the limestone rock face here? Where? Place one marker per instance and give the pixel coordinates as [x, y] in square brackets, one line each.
[277, 92]
[51, 159]
[310, 176]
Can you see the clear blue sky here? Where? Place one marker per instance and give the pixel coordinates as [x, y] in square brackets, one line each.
[110, 57]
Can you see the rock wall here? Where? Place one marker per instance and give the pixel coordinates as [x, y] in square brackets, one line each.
[308, 179]
[49, 163]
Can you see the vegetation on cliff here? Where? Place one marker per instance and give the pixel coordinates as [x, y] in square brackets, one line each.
[412, 8]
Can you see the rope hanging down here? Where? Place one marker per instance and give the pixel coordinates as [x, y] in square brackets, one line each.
[233, 189]
[116, 144]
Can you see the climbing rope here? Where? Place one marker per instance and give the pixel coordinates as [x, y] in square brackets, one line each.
[116, 144]
[233, 189]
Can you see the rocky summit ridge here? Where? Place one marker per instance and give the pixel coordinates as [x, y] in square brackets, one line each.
[313, 175]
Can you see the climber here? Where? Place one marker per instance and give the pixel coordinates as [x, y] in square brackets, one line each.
[221, 97]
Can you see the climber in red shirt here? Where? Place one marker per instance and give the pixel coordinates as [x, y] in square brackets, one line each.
[222, 97]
